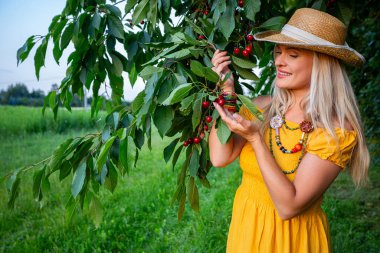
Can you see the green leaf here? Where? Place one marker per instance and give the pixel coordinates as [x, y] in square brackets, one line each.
[111, 179]
[251, 107]
[226, 22]
[181, 54]
[202, 71]
[96, 21]
[138, 102]
[196, 28]
[163, 116]
[344, 13]
[148, 71]
[67, 36]
[127, 154]
[57, 157]
[37, 184]
[96, 211]
[194, 162]
[168, 150]
[176, 155]
[117, 65]
[39, 57]
[129, 6]
[103, 153]
[197, 68]
[115, 26]
[178, 94]
[193, 194]
[197, 112]
[152, 14]
[140, 12]
[23, 52]
[13, 186]
[114, 10]
[224, 133]
[251, 7]
[275, 23]
[243, 63]
[78, 179]
[246, 74]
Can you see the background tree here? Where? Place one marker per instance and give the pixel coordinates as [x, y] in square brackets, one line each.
[169, 43]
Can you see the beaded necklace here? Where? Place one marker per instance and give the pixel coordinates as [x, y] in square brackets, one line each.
[305, 126]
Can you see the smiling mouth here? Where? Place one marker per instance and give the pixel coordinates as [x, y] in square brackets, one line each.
[281, 74]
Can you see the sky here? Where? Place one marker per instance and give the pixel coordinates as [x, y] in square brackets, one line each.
[20, 19]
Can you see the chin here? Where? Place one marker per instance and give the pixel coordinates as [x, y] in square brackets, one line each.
[283, 84]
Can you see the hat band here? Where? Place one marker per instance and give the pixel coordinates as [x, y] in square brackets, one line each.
[301, 35]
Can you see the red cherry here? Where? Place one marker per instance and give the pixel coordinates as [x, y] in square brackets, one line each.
[245, 53]
[185, 144]
[201, 37]
[142, 22]
[236, 51]
[248, 49]
[250, 37]
[241, 3]
[206, 12]
[205, 127]
[205, 104]
[221, 102]
[208, 119]
[190, 140]
[197, 140]
[298, 147]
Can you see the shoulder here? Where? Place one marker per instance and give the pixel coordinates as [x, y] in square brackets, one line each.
[262, 101]
[346, 125]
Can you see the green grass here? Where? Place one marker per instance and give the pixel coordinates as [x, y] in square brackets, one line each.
[20, 120]
[138, 216]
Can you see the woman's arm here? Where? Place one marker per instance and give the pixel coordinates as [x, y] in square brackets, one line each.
[313, 177]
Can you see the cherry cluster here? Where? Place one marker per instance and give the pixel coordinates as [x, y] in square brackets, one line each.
[247, 50]
[203, 126]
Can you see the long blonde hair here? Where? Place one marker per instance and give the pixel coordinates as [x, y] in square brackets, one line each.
[330, 97]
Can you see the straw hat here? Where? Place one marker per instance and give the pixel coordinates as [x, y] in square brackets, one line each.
[315, 30]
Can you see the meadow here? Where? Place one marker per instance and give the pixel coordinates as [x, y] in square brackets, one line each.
[138, 216]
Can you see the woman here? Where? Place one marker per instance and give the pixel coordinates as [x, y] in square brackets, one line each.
[310, 133]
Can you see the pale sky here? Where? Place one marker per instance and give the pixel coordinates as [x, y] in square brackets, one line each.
[20, 19]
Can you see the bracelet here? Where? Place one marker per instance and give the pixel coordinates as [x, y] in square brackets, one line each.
[229, 95]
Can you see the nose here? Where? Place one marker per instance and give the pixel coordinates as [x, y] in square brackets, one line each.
[279, 59]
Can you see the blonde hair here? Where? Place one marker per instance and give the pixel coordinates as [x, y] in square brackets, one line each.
[330, 97]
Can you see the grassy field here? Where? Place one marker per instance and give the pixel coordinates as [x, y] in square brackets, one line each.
[138, 216]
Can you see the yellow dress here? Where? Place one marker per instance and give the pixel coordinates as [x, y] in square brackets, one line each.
[255, 224]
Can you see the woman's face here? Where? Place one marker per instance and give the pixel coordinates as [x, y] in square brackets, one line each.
[294, 67]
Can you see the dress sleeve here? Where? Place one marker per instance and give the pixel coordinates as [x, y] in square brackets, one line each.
[326, 147]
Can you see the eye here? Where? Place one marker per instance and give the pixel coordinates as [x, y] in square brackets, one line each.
[294, 56]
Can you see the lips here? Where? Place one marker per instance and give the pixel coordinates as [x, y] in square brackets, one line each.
[282, 74]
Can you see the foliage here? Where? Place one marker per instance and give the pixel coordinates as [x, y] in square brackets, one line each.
[365, 37]
[169, 44]
[19, 94]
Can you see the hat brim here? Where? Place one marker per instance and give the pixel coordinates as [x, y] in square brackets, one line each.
[344, 53]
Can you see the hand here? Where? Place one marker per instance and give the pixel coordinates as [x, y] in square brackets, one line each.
[249, 130]
[221, 60]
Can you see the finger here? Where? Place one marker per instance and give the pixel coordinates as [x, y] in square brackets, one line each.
[220, 60]
[218, 54]
[223, 67]
[225, 115]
